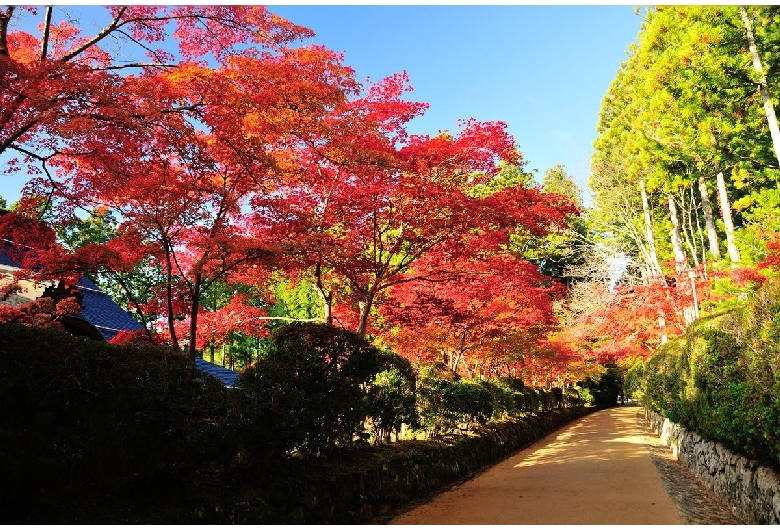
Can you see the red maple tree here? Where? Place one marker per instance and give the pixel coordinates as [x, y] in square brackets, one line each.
[479, 316]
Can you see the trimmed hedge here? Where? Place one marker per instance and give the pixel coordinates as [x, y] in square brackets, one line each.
[313, 391]
[722, 378]
[361, 487]
[97, 433]
[83, 414]
[365, 486]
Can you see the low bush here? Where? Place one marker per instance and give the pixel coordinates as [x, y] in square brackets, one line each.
[313, 391]
[722, 378]
[78, 413]
[86, 417]
[602, 391]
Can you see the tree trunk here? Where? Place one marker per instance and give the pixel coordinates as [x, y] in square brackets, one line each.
[365, 310]
[194, 308]
[709, 219]
[454, 361]
[680, 260]
[662, 326]
[654, 263]
[701, 239]
[725, 210]
[169, 298]
[763, 87]
[5, 18]
[466, 366]
[690, 233]
[325, 297]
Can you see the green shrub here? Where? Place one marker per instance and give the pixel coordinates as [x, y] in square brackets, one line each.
[571, 397]
[585, 396]
[468, 402]
[391, 400]
[504, 393]
[722, 378]
[634, 383]
[309, 393]
[433, 380]
[80, 414]
[603, 390]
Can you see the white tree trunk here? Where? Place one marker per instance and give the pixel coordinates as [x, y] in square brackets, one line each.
[709, 219]
[680, 260]
[763, 87]
[687, 227]
[725, 210]
[654, 263]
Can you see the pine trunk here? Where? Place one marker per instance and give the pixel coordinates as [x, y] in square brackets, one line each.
[709, 219]
[725, 210]
[763, 87]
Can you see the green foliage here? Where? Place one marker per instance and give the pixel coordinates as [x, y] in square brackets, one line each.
[433, 381]
[469, 402]
[634, 383]
[446, 403]
[722, 379]
[557, 180]
[586, 396]
[98, 227]
[509, 176]
[508, 396]
[684, 106]
[296, 300]
[90, 417]
[605, 388]
[86, 414]
[308, 394]
[391, 400]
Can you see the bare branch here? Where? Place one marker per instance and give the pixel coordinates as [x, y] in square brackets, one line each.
[133, 65]
[97, 38]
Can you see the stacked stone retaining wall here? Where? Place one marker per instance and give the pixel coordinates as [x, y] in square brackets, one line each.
[751, 491]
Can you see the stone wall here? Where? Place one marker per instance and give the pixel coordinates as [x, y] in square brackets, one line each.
[751, 491]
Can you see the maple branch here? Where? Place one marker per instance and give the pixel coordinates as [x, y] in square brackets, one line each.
[9, 142]
[97, 38]
[139, 43]
[286, 319]
[133, 65]
[55, 186]
[30, 153]
[46, 31]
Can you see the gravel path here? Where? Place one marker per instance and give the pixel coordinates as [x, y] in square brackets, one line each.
[598, 470]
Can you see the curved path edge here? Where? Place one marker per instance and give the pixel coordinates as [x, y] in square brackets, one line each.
[597, 470]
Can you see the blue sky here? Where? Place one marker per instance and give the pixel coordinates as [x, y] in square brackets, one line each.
[541, 69]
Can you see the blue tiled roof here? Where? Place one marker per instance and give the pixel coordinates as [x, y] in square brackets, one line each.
[102, 312]
[228, 377]
[5, 259]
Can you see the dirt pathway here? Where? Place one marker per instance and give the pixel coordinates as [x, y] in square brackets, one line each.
[598, 470]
